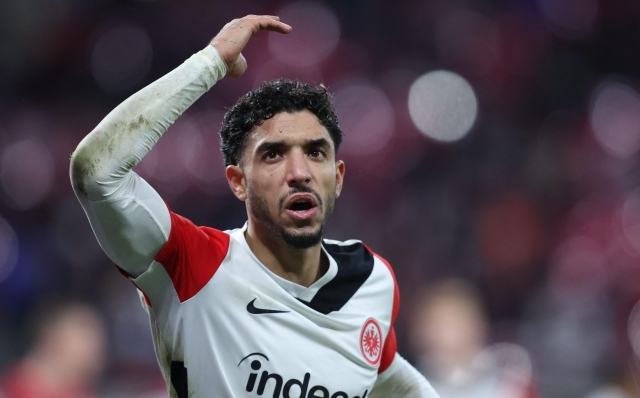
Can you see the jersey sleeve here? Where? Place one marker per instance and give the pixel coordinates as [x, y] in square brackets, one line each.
[192, 255]
[127, 215]
[401, 380]
[390, 344]
[390, 347]
[131, 226]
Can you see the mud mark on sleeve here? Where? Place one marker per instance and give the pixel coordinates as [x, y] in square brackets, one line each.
[136, 124]
[85, 161]
[103, 148]
[82, 169]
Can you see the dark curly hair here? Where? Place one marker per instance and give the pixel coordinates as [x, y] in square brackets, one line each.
[269, 99]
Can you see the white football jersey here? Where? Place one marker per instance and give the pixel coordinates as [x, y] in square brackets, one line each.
[225, 326]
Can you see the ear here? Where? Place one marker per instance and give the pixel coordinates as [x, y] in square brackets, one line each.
[339, 176]
[237, 182]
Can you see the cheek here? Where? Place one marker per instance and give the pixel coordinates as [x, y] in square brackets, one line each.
[329, 185]
[263, 183]
[262, 189]
[265, 177]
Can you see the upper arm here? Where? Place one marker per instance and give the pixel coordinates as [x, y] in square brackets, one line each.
[128, 217]
[192, 255]
[132, 225]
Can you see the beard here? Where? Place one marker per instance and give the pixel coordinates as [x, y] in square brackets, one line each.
[259, 210]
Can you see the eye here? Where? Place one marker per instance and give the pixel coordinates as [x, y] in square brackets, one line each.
[317, 153]
[270, 155]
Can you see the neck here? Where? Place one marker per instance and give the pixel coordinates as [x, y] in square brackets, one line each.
[301, 266]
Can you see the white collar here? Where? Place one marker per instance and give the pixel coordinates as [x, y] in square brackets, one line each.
[294, 289]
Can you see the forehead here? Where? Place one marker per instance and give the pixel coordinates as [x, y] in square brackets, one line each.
[290, 128]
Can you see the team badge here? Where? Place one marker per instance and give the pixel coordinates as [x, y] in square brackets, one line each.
[371, 341]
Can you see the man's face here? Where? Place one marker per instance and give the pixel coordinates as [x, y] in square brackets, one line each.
[290, 177]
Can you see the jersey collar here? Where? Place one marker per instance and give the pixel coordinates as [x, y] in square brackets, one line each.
[294, 289]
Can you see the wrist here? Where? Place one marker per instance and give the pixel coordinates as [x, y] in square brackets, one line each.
[212, 57]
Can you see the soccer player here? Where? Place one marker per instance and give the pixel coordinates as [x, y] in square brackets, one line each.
[270, 309]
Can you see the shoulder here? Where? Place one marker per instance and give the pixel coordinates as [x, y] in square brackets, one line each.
[356, 261]
[356, 256]
[185, 236]
[359, 273]
[358, 266]
[351, 252]
[192, 255]
[183, 226]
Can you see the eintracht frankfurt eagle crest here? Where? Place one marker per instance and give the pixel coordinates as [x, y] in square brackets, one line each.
[371, 341]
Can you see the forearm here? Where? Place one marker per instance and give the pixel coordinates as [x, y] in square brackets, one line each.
[106, 155]
[401, 380]
[128, 217]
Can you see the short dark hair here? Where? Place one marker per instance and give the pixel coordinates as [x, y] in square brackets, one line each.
[269, 99]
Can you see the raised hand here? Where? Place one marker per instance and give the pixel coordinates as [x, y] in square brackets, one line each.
[235, 35]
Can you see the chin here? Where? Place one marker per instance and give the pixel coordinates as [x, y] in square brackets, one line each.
[301, 238]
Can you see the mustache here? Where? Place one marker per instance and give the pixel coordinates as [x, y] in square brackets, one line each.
[295, 190]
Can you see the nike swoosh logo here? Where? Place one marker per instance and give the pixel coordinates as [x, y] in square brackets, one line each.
[252, 309]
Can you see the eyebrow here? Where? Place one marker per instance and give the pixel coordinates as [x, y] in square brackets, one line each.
[276, 145]
[269, 146]
[319, 142]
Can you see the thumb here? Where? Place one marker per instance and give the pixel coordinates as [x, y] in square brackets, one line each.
[238, 68]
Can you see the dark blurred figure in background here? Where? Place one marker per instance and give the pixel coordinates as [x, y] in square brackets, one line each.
[450, 335]
[66, 357]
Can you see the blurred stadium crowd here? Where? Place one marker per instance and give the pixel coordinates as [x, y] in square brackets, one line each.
[492, 157]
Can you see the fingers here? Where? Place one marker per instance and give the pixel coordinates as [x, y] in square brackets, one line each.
[271, 23]
[235, 35]
[277, 18]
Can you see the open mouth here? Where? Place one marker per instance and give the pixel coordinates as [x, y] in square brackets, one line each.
[301, 206]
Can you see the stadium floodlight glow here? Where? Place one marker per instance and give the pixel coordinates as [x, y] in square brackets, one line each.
[514, 360]
[615, 119]
[443, 105]
[366, 116]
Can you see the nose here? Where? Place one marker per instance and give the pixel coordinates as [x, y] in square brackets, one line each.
[298, 172]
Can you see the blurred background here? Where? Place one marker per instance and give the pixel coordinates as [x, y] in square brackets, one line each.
[492, 157]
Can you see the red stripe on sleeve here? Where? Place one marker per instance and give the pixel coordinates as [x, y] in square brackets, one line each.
[390, 344]
[388, 351]
[192, 255]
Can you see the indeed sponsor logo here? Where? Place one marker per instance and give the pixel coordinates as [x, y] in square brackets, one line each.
[274, 385]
